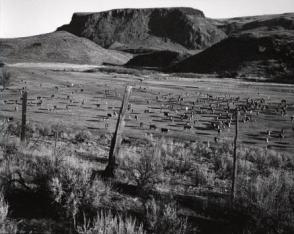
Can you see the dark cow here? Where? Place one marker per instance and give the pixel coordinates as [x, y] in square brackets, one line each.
[153, 127]
[164, 130]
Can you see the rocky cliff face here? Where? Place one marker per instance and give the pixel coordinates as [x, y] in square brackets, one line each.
[173, 29]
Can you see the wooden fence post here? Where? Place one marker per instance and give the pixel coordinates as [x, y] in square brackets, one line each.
[235, 160]
[116, 139]
[23, 116]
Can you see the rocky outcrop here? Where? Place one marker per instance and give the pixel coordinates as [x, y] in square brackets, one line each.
[174, 29]
[58, 47]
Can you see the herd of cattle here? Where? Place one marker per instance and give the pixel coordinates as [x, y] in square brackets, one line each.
[162, 111]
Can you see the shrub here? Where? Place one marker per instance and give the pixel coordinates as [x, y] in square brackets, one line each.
[143, 169]
[4, 77]
[15, 129]
[268, 200]
[223, 166]
[6, 226]
[179, 159]
[108, 223]
[83, 136]
[201, 176]
[45, 130]
[163, 218]
[76, 193]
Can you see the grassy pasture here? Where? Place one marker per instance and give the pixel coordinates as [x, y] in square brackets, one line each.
[159, 180]
[90, 100]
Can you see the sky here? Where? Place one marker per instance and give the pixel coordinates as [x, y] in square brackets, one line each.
[20, 18]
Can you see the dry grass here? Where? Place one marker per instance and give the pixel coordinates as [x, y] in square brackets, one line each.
[265, 182]
[5, 76]
[268, 201]
[107, 223]
[6, 225]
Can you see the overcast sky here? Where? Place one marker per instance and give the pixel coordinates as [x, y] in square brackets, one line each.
[30, 17]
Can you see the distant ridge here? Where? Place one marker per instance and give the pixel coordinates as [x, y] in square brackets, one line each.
[258, 46]
[58, 47]
[171, 39]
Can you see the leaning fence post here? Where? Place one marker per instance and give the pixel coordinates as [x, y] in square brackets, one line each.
[116, 139]
[23, 116]
[235, 160]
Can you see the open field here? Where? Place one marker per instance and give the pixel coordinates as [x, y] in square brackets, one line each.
[168, 177]
[193, 109]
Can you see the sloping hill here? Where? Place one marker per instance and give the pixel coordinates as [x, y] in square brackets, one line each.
[262, 22]
[58, 47]
[157, 59]
[174, 29]
[267, 54]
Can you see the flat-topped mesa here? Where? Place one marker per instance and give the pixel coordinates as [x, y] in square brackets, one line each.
[174, 29]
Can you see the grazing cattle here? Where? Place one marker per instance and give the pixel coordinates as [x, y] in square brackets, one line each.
[126, 141]
[146, 111]
[109, 115]
[164, 130]
[284, 102]
[228, 123]
[152, 127]
[187, 126]
[247, 118]
[39, 103]
[166, 113]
